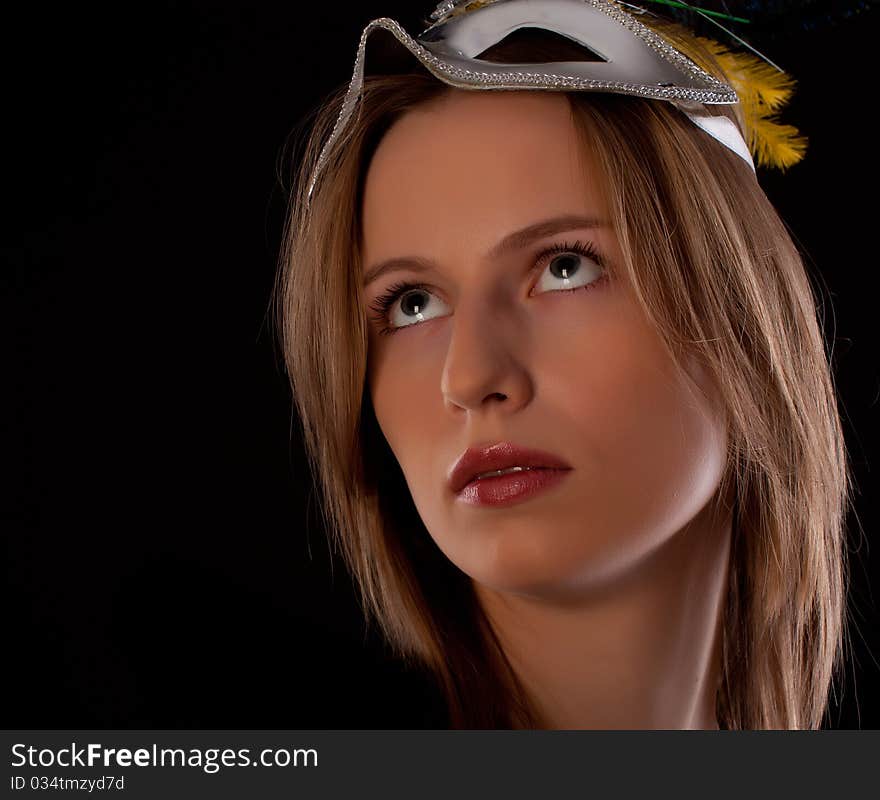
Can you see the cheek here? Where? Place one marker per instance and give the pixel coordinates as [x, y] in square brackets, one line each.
[606, 373]
[651, 450]
[597, 367]
[404, 390]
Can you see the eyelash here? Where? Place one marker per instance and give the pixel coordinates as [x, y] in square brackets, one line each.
[382, 304]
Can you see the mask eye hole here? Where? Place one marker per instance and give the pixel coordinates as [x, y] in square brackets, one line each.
[537, 46]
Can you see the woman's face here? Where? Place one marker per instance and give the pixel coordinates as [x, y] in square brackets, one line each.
[501, 353]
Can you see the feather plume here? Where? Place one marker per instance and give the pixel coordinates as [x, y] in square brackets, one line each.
[772, 87]
[762, 90]
[776, 145]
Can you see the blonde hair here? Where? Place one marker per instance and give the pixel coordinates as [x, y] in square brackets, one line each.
[716, 272]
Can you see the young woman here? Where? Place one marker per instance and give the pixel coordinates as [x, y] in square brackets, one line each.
[566, 397]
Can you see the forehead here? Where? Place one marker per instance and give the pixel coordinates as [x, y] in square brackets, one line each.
[475, 165]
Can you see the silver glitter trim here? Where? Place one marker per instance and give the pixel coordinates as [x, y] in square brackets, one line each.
[444, 8]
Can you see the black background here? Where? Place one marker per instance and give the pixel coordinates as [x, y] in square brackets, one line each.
[165, 564]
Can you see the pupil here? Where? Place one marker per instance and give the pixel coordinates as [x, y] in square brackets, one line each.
[567, 264]
[413, 303]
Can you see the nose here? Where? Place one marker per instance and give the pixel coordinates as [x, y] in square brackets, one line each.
[484, 361]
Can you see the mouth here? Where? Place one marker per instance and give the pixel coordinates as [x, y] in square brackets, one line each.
[509, 486]
[502, 460]
[497, 472]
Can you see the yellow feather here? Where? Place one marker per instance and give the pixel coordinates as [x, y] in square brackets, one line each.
[777, 145]
[773, 88]
[761, 88]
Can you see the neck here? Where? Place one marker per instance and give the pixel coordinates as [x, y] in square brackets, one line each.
[641, 651]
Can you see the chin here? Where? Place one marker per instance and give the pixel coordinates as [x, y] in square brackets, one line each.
[526, 559]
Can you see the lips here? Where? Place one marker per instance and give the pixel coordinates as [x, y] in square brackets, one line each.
[502, 455]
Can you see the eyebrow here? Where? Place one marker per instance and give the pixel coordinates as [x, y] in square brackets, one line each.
[510, 243]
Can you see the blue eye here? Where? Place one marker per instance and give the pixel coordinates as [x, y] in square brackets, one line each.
[569, 267]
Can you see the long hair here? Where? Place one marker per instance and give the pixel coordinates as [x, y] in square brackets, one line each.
[716, 272]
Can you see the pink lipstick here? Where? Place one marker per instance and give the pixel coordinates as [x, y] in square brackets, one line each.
[504, 473]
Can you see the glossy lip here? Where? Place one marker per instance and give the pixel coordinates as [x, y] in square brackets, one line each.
[501, 455]
[514, 487]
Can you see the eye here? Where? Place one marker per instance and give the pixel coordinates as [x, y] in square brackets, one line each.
[569, 267]
[417, 304]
